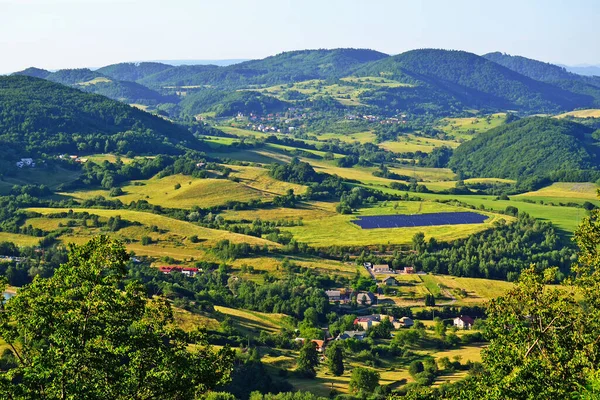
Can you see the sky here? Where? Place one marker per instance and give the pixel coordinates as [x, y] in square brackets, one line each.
[55, 34]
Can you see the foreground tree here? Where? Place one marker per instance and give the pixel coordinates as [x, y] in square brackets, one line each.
[308, 359]
[335, 358]
[364, 380]
[81, 335]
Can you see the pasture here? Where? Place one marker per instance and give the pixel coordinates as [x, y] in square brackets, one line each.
[411, 143]
[465, 128]
[170, 230]
[588, 113]
[340, 230]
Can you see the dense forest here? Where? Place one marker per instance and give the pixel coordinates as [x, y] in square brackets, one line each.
[525, 148]
[39, 116]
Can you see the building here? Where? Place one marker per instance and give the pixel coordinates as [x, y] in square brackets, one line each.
[382, 269]
[390, 281]
[320, 344]
[366, 298]
[368, 321]
[463, 322]
[189, 271]
[334, 295]
[406, 322]
[358, 335]
[408, 270]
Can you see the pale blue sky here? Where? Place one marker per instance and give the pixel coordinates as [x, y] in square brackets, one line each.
[90, 33]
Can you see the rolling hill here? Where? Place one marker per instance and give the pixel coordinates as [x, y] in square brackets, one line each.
[94, 82]
[286, 67]
[132, 71]
[546, 72]
[528, 147]
[474, 81]
[40, 116]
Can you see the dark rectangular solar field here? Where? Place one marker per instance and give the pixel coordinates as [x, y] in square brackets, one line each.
[403, 221]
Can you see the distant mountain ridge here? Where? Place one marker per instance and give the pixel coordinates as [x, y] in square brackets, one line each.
[474, 81]
[95, 82]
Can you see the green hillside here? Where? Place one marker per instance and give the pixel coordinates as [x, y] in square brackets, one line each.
[528, 147]
[132, 71]
[224, 103]
[474, 81]
[286, 67]
[40, 116]
[95, 82]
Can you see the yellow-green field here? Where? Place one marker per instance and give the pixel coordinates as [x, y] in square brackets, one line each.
[412, 143]
[176, 231]
[345, 94]
[566, 191]
[467, 127]
[589, 113]
[255, 183]
[361, 137]
[254, 321]
[339, 230]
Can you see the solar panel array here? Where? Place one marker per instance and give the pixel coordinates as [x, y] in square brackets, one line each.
[404, 221]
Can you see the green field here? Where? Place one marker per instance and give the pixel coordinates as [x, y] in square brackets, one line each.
[465, 128]
[412, 143]
[339, 230]
[589, 113]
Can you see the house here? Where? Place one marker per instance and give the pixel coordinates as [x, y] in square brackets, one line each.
[334, 295]
[390, 281]
[320, 345]
[366, 298]
[406, 322]
[368, 321]
[408, 270]
[189, 271]
[463, 322]
[358, 335]
[382, 269]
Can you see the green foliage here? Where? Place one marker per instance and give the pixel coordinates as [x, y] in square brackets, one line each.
[225, 104]
[335, 358]
[473, 81]
[308, 359]
[525, 148]
[364, 380]
[44, 117]
[296, 172]
[496, 253]
[132, 71]
[80, 334]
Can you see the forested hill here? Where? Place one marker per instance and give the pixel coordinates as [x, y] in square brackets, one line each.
[95, 82]
[525, 148]
[132, 71]
[546, 72]
[286, 67]
[539, 70]
[475, 81]
[39, 116]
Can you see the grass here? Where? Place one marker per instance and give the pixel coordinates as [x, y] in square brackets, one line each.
[465, 128]
[253, 321]
[272, 265]
[307, 211]
[412, 143]
[376, 81]
[565, 219]
[360, 137]
[566, 191]
[189, 321]
[478, 290]
[589, 113]
[18, 239]
[177, 230]
[339, 230]
[254, 184]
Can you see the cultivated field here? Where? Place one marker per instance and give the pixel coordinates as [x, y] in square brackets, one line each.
[589, 113]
